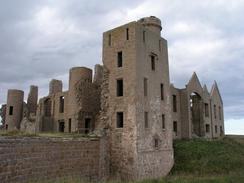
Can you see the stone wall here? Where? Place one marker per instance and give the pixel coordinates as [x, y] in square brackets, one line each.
[33, 158]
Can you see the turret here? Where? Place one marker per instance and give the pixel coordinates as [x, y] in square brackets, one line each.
[14, 110]
[77, 75]
[152, 23]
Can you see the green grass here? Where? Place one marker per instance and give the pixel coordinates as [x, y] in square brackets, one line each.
[45, 134]
[204, 158]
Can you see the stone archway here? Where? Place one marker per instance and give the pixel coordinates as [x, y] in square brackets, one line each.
[196, 114]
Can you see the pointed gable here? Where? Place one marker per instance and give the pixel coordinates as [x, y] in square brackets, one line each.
[205, 90]
[215, 92]
[194, 85]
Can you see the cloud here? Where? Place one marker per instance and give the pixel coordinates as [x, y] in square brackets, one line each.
[41, 40]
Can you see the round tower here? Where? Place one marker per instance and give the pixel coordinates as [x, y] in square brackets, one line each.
[77, 75]
[152, 23]
[14, 109]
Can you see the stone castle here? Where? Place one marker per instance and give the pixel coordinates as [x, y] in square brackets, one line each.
[129, 99]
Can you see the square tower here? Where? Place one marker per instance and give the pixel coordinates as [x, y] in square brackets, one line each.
[139, 111]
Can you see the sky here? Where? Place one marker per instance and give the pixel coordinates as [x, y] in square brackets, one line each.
[41, 40]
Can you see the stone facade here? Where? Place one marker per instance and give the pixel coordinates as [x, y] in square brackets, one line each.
[196, 112]
[129, 100]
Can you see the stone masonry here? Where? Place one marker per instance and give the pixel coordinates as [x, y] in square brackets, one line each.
[129, 100]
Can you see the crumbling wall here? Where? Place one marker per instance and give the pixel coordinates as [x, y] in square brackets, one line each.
[3, 113]
[102, 118]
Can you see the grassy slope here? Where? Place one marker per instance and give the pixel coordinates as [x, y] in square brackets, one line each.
[201, 157]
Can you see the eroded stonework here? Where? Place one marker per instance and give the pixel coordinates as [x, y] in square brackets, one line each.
[129, 100]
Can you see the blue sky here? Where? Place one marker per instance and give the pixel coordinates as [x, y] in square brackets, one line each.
[41, 40]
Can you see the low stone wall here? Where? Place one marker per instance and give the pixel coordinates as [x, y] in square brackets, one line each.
[35, 158]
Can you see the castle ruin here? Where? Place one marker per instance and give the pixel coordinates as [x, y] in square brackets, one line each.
[129, 99]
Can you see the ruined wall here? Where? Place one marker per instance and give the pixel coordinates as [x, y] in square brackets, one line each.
[217, 112]
[176, 115]
[3, 113]
[32, 99]
[55, 86]
[33, 159]
[207, 113]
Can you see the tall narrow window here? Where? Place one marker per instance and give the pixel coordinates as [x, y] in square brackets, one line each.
[221, 130]
[156, 143]
[61, 104]
[163, 121]
[153, 62]
[207, 128]
[120, 59]
[144, 36]
[174, 103]
[120, 119]
[216, 129]
[145, 86]
[159, 45]
[11, 110]
[48, 107]
[175, 127]
[206, 110]
[109, 39]
[69, 125]
[220, 113]
[127, 34]
[146, 119]
[162, 91]
[215, 112]
[120, 87]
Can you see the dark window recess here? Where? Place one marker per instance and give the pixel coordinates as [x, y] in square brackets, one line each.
[11, 110]
[61, 104]
[6, 127]
[175, 127]
[146, 119]
[70, 125]
[221, 130]
[174, 103]
[120, 87]
[144, 36]
[215, 112]
[120, 59]
[127, 34]
[87, 125]
[206, 110]
[220, 113]
[48, 107]
[207, 128]
[61, 126]
[159, 45]
[162, 91]
[156, 143]
[120, 119]
[153, 62]
[216, 129]
[145, 86]
[163, 121]
[109, 39]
